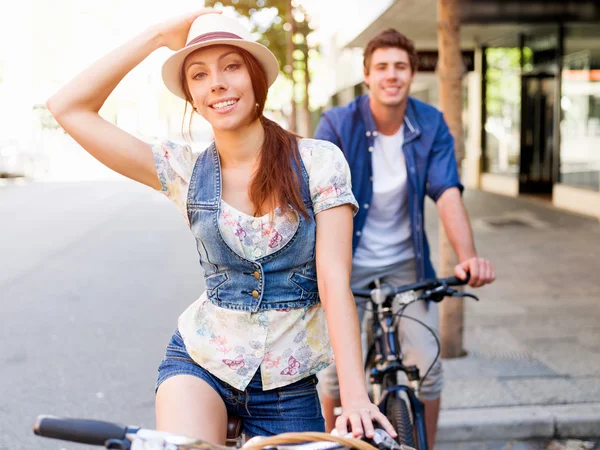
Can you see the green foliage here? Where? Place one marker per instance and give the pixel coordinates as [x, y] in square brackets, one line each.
[503, 78]
[268, 21]
[45, 118]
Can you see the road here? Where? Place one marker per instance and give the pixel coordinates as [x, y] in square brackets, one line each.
[92, 279]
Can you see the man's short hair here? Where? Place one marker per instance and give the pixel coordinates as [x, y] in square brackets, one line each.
[390, 38]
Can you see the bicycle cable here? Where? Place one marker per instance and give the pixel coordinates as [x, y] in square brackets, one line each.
[437, 340]
[365, 306]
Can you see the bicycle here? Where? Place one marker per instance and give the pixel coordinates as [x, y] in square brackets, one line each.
[383, 364]
[115, 436]
[400, 403]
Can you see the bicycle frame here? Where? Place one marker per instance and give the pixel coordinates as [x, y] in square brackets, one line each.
[384, 356]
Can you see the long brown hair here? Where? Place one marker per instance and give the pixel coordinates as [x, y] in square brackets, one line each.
[275, 180]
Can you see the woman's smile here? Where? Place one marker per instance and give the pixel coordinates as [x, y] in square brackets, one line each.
[224, 106]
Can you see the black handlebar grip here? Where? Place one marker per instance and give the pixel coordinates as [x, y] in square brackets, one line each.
[455, 281]
[84, 431]
[366, 293]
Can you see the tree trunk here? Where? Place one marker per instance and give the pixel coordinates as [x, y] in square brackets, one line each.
[305, 105]
[450, 70]
[289, 18]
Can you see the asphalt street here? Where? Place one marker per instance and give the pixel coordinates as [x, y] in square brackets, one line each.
[92, 279]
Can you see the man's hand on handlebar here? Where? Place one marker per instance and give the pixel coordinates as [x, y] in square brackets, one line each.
[481, 271]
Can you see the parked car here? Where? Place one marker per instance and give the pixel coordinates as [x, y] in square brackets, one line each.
[12, 163]
[16, 161]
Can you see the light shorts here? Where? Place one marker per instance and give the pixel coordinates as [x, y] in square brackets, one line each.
[418, 345]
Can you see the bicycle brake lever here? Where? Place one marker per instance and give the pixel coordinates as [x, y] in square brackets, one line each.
[463, 294]
[383, 441]
[468, 294]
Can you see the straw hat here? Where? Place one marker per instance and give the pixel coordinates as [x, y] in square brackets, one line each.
[216, 29]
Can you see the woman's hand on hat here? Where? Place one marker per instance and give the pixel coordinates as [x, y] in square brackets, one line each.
[173, 32]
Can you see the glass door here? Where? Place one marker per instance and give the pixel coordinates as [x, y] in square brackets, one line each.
[536, 174]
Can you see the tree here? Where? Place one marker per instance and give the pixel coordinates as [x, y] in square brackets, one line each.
[450, 70]
[282, 26]
[45, 118]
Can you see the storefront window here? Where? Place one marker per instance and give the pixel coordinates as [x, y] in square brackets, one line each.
[503, 104]
[580, 103]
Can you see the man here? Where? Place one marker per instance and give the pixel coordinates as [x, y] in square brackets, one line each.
[399, 150]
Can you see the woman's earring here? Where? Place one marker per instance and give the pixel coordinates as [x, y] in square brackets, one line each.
[257, 105]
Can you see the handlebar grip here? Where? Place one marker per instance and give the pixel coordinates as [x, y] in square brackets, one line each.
[455, 281]
[84, 431]
[362, 292]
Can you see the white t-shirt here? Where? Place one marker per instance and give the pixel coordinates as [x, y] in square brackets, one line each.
[386, 236]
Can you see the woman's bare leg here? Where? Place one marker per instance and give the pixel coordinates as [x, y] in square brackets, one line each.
[189, 406]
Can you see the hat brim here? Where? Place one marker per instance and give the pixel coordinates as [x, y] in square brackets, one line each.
[171, 69]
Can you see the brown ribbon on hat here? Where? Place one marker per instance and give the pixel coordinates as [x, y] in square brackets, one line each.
[211, 36]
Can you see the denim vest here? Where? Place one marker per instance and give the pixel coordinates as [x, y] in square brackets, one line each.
[282, 280]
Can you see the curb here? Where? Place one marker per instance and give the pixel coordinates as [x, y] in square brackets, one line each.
[12, 181]
[520, 422]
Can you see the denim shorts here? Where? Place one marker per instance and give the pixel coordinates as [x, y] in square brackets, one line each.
[294, 407]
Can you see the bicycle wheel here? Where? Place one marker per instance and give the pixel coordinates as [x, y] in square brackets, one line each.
[398, 413]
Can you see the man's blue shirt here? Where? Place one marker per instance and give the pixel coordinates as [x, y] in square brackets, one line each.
[430, 162]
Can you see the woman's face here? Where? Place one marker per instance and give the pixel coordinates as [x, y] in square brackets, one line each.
[220, 86]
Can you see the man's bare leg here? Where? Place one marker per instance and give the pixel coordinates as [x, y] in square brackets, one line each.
[329, 405]
[432, 413]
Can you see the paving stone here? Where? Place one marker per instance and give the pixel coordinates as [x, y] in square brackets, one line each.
[531, 332]
[447, 446]
[474, 446]
[483, 393]
[494, 342]
[485, 307]
[590, 339]
[571, 322]
[552, 391]
[568, 358]
[577, 420]
[499, 445]
[477, 424]
[534, 339]
[476, 367]
[524, 445]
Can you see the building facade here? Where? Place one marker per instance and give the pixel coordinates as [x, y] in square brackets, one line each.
[531, 90]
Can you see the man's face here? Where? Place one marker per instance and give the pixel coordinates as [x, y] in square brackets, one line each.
[389, 76]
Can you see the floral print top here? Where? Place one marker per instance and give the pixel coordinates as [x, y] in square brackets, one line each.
[287, 345]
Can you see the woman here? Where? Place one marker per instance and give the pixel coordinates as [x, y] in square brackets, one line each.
[271, 215]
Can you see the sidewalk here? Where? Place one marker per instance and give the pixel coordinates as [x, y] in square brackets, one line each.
[533, 341]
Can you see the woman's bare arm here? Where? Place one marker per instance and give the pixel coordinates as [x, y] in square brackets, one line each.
[334, 266]
[75, 107]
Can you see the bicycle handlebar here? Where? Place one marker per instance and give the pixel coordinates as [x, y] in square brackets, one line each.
[84, 431]
[388, 290]
[114, 435]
